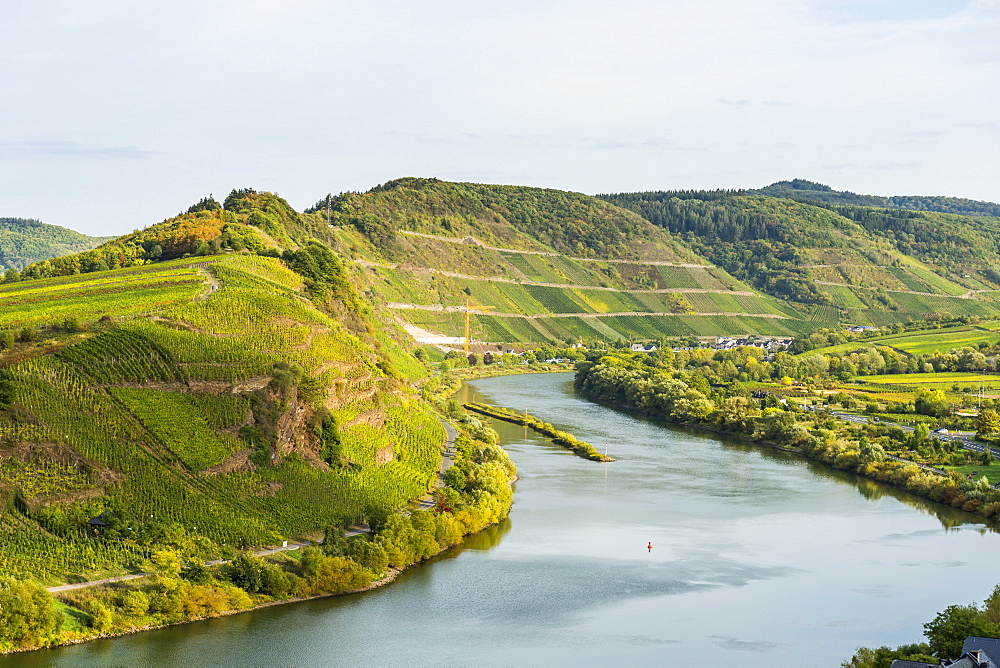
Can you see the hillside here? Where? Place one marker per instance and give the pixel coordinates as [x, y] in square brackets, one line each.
[549, 266]
[809, 191]
[853, 265]
[233, 398]
[24, 240]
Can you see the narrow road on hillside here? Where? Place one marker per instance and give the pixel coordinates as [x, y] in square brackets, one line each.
[447, 459]
[473, 241]
[535, 316]
[568, 286]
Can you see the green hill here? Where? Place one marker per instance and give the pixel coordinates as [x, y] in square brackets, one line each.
[552, 266]
[24, 240]
[809, 191]
[239, 398]
[854, 259]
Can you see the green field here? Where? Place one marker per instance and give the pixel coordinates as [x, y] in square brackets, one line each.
[88, 297]
[922, 379]
[939, 341]
[920, 342]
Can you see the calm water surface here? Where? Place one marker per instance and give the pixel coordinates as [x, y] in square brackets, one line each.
[759, 559]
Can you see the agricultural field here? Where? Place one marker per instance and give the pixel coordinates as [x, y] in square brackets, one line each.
[921, 379]
[938, 341]
[920, 342]
[127, 420]
[88, 297]
[178, 424]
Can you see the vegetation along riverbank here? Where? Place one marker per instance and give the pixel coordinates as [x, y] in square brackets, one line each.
[879, 451]
[946, 634]
[182, 588]
[565, 439]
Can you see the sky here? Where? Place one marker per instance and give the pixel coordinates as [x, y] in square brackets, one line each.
[117, 114]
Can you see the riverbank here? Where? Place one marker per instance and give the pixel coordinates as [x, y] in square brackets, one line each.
[742, 534]
[923, 481]
[176, 593]
[560, 438]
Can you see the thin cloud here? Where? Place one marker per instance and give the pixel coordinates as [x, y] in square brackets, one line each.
[73, 149]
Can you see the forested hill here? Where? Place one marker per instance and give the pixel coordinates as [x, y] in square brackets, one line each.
[25, 240]
[846, 256]
[809, 191]
[503, 216]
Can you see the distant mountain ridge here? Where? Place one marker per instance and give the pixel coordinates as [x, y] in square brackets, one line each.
[810, 191]
[26, 240]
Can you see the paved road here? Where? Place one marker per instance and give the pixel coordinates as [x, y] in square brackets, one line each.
[447, 459]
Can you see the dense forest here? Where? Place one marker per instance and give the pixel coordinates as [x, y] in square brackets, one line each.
[757, 239]
[774, 243]
[809, 191]
[25, 240]
[506, 216]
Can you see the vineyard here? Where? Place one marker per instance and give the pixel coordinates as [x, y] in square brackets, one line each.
[215, 397]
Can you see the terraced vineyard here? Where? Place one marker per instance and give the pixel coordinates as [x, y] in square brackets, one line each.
[207, 395]
[129, 292]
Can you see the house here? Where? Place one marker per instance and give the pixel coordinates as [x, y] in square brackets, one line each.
[987, 651]
[977, 652]
[641, 348]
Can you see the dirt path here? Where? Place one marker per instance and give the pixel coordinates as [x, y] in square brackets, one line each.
[214, 284]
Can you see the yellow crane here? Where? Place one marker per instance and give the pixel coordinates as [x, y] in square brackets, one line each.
[469, 308]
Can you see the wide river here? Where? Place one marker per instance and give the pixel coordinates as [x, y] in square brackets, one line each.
[759, 559]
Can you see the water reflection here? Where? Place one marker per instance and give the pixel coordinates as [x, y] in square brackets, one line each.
[759, 558]
[870, 489]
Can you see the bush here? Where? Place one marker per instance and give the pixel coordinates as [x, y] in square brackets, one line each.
[28, 614]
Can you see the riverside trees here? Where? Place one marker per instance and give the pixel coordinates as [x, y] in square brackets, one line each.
[865, 449]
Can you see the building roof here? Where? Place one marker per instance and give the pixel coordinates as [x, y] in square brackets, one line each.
[990, 646]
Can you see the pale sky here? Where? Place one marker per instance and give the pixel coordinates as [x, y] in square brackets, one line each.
[116, 114]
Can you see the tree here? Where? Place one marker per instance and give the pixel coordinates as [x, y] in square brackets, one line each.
[949, 629]
[246, 572]
[988, 426]
[28, 614]
[871, 452]
[931, 402]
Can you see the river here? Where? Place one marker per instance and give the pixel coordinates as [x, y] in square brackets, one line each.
[759, 559]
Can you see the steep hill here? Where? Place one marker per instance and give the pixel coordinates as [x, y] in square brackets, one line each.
[25, 240]
[234, 398]
[857, 260]
[241, 373]
[549, 265]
